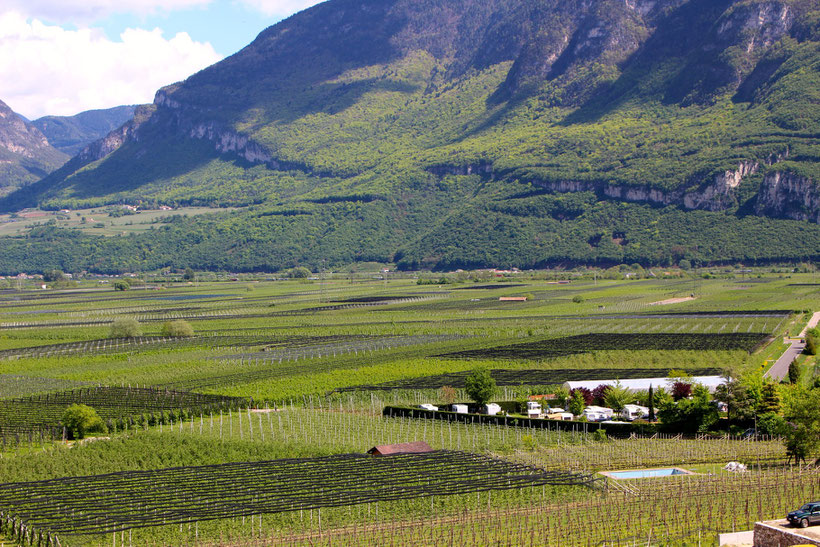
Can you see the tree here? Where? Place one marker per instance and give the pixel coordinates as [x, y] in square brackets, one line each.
[125, 327]
[585, 393]
[741, 399]
[599, 393]
[80, 420]
[651, 404]
[689, 415]
[299, 273]
[121, 285]
[53, 276]
[803, 425]
[577, 299]
[769, 398]
[480, 386]
[189, 275]
[576, 402]
[617, 396]
[812, 341]
[794, 372]
[177, 329]
[681, 390]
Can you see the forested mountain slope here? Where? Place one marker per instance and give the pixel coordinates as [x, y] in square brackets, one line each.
[70, 134]
[451, 133]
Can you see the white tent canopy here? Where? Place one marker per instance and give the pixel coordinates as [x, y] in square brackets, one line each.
[642, 384]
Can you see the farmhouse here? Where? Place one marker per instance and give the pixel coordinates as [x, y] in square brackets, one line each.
[642, 384]
[415, 447]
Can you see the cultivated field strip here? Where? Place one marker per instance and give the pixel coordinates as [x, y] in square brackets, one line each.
[122, 501]
[279, 363]
[558, 347]
[532, 377]
[339, 347]
[16, 385]
[137, 343]
[41, 414]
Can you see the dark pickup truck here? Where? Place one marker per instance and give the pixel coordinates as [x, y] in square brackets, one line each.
[808, 514]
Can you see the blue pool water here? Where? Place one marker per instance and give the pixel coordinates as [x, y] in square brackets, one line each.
[646, 473]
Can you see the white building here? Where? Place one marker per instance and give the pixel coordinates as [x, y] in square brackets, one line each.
[642, 384]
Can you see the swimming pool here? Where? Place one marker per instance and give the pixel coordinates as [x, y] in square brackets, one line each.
[646, 473]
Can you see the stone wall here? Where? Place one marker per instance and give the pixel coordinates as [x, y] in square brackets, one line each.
[775, 533]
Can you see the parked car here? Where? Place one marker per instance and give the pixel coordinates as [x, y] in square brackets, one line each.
[808, 514]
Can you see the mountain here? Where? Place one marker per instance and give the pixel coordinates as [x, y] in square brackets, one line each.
[453, 133]
[25, 154]
[70, 134]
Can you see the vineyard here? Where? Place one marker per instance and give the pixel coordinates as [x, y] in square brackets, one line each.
[546, 349]
[121, 501]
[251, 431]
[40, 415]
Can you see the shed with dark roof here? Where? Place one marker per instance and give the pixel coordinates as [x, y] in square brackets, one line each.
[400, 448]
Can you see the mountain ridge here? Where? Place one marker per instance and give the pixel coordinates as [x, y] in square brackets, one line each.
[25, 154]
[437, 112]
[70, 134]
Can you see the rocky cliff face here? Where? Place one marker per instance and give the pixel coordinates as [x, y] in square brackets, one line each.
[25, 154]
[788, 195]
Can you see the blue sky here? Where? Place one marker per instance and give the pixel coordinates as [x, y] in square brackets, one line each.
[61, 57]
[226, 25]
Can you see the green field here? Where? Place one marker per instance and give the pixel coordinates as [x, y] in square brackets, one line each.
[305, 355]
[99, 221]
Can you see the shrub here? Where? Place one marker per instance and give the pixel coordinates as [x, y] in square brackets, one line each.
[577, 298]
[177, 329]
[299, 273]
[121, 285]
[125, 327]
[812, 341]
[81, 419]
[448, 394]
[681, 390]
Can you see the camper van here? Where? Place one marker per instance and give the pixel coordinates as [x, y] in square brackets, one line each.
[533, 409]
[427, 406]
[491, 409]
[598, 413]
[634, 412]
[459, 409]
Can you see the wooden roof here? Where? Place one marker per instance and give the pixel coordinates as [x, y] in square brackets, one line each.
[400, 448]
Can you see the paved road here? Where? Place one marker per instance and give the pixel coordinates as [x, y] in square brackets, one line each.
[780, 369]
[815, 318]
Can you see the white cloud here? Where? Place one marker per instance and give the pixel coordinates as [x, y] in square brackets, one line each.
[46, 69]
[84, 11]
[281, 8]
